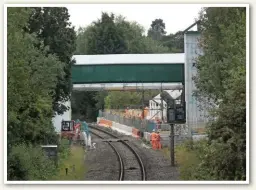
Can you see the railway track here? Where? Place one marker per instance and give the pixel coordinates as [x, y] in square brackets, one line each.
[131, 166]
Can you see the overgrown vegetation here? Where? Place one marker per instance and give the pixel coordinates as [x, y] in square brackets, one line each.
[27, 162]
[36, 67]
[222, 79]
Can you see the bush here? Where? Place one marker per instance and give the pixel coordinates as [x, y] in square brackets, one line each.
[220, 162]
[202, 160]
[26, 162]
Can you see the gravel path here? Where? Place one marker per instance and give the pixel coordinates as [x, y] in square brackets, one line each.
[158, 167]
[102, 162]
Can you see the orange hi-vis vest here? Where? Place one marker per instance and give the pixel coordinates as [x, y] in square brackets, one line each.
[153, 136]
[158, 137]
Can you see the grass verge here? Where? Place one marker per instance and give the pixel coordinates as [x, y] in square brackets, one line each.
[75, 164]
[186, 158]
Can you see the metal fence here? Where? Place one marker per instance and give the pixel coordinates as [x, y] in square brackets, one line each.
[147, 125]
[142, 125]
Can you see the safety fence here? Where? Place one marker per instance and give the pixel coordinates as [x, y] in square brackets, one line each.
[142, 125]
[148, 125]
[181, 132]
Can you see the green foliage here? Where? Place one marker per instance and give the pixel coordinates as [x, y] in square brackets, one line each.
[26, 162]
[52, 27]
[222, 79]
[157, 29]
[135, 40]
[113, 35]
[120, 99]
[175, 42]
[104, 37]
[172, 43]
[188, 158]
[201, 160]
[29, 103]
[123, 99]
[226, 38]
[83, 105]
[153, 46]
[34, 71]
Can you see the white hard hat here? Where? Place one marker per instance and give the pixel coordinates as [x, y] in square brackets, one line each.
[153, 130]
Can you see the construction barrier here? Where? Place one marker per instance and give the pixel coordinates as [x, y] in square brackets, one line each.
[127, 130]
[105, 123]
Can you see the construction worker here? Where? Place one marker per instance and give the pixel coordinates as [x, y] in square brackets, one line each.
[85, 133]
[158, 141]
[76, 129]
[153, 139]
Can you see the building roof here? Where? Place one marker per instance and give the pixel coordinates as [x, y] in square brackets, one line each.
[165, 58]
[173, 93]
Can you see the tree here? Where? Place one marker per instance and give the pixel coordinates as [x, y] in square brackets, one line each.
[83, 105]
[157, 29]
[51, 25]
[175, 42]
[105, 37]
[153, 46]
[132, 34]
[118, 32]
[31, 81]
[120, 99]
[29, 107]
[99, 99]
[221, 78]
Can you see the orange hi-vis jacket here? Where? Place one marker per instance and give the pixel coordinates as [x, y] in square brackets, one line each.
[157, 137]
[153, 136]
[158, 143]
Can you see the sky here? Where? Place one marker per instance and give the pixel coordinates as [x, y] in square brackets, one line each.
[175, 16]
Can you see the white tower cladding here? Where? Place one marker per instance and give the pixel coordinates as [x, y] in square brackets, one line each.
[196, 118]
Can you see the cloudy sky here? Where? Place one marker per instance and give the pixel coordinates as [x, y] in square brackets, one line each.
[176, 17]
